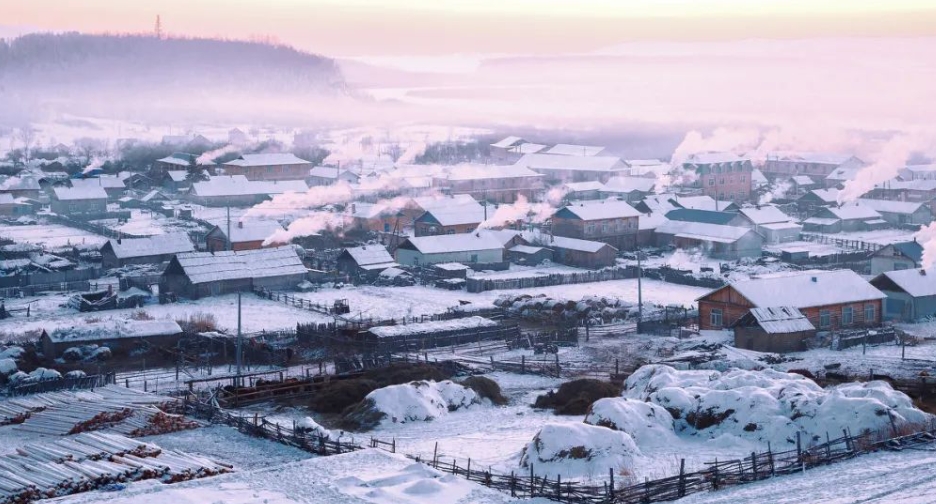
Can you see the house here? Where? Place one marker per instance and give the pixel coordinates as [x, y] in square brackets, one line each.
[174, 181]
[377, 217]
[706, 217]
[328, 175]
[154, 198]
[267, 167]
[831, 300]
[451, 220]
[113, 186]
[24, 186]
[843, 174]
[121, 337]
[648, 168]
[647, 226]
[920, 190]
[558, 169]
[200, 274]
[918, 172]
[529, 255]
[722, 175]
[846, 218]
[500, 151]
[897, 256]
[366, 261]
[703, 203]
[771, 223]
[798, 185]
[810, 202]
[573, 251]
[90, 200]
[813, 164]
[150, 250]
[466, 248]
[718, 241]
[497, 184]
[137, 182]
[630, 189]
[609, 221]
[245, 235]
[508, 238]
[236, 190]
[911, 293]
[575, 150]
[778, 329]
[177, 161]
[899, 213]
[14, 207]
[660, 204]
[581, 191]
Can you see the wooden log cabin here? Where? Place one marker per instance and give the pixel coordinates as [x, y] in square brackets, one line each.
[830, 300]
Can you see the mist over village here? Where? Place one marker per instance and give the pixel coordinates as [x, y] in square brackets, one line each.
[415, 251]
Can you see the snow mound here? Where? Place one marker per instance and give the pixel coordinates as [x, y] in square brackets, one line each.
[647, 423]
[41, 374]
[769, 406]
[12, 352]
[7, 367]
[579, 450]
[309, 426]
[76, 374]
[421, 400]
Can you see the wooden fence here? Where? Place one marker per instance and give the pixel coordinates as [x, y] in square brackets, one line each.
[84, 382]
[527, 484]
[664, 274]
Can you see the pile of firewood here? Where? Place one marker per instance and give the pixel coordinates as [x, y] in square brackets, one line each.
[92, 460]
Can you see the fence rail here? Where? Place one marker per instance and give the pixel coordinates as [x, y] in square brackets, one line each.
[664, 274]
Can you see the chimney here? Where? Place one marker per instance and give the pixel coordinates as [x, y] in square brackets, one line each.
[815, 279]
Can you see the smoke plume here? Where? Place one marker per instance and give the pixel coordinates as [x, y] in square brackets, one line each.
[210, 156]
[521, 210]
[927, 237]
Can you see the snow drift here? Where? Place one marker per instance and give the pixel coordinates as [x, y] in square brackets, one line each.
[766, 406]
[578, 450]
[645, 422]
[417, 401]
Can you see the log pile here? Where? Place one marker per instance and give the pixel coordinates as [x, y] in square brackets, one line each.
[92, 460]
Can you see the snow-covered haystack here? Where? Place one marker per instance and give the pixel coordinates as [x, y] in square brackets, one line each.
[417, 401]
[42, 374]
[12, 352]
[645, 422]
[310, 427]
[541, 307]
[768, 405]
[579, 450]
[7, 367]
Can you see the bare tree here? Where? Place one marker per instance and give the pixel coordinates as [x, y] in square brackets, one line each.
[27, 136]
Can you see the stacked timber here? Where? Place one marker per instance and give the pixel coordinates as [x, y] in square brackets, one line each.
[90, 461]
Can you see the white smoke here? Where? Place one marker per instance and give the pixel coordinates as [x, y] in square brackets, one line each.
[210, 156]
[309, 225]
[887, 163]
[735, 140]
[777, 191]
[927, 237]
[95, 163]
[520, 211]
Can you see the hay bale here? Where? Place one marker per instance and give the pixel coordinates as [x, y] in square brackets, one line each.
[485, 388]
[575, 397]
[339, 395]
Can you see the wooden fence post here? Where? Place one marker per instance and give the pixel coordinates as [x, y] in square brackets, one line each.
[513, 485]
[522, 364]
[754, 464]
[532, 482]
[799, 448]
[828, 449]
[770, 458]
[715, 476]
[682, 477]
[611, 486]
[435, 456]
[468, 469]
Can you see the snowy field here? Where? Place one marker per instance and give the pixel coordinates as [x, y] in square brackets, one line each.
[50, 235]
[364, 477]
[148, 223]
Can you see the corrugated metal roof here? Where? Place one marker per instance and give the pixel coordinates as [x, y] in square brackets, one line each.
[464, 242]
[456, 215]
[781, 319]
[572, 163]
[170, 243]
[702, 216]
[890, 206]
[204, 267]
[703, 231]
[369, 254]
[561, 242]
[765, 214]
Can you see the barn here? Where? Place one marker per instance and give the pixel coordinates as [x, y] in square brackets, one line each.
[121, 337]
[721, 242]
[432, 334]
[366, 261]
[467, 248]
[777, 329]
[248, 235]
[200, 274]
[150, 250]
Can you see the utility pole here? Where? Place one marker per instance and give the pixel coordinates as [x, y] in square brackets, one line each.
[639, 290]
[228, 236]
[159, 32]
[240, 338]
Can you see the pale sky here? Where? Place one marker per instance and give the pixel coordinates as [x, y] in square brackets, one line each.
[436, 27]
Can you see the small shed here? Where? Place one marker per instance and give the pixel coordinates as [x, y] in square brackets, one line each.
[200, 274]
[121, 337]
[432, 334]
[529, 255]
[777, 329]
[150, 250]
[911, 293]
[244, 235]
[451, 270]
[366, 261]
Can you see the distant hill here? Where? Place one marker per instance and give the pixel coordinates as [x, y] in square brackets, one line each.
[145, 77]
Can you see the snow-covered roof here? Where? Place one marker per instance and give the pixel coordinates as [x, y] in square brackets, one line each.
[802, 180]
[651, 220]
[526, 249]
[178, 175]
[451, 266]
[583, 186]
[431, 202]
[115, 330]
[916, 282]
[432, 327]
[597, 210]
[703, 231]
[779, 226]
[661, 203]
[87, 192]
[826, 195]
[370, 210]
[462, 242]
[830, 158]
[910, 185]
[629, 184]
[502, 235]
[571, 163]
[102, 181]
[153, 195]
[507, 142]
[575, 150]
[24, 183]
[707, 158]
[758, 178]
[765, 214]
[527, 148]
[170, 243]
[238, 185]
[270, 159]
[330, 172]
[890, 206]
[699, 203]
[854, 211]
[843, 173]
[808, 289]
[178, 159]
[250, 230]
[923, 168]
[456, 215]
[537, 238]
[6, 199]
[203, 267]
[781, 319]
[367, 255]
[481, 172]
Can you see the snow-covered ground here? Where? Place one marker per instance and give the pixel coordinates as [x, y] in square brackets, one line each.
[148, 223]
[363, 477]
[905, 477]
[50, 235]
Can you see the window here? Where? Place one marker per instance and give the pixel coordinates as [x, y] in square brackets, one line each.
[900, 266]
[386, 227]
[825, 319]
[450, 231]
[869, 314]
[721, 180]
[715, 317]
[848, 315]
[711, 181]
[604, 228]
[743, 178]
[474, 258]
